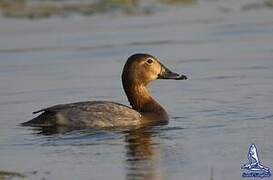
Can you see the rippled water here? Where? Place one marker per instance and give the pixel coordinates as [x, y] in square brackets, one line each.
[214, 116]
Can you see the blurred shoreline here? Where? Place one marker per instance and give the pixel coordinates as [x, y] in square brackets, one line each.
[44, 9]
[50, 34]
[35, 9]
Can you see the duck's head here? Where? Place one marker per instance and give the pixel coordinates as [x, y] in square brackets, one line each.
[138, 71]
[142, 68]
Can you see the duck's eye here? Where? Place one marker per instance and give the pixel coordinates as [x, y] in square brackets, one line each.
[149, 61]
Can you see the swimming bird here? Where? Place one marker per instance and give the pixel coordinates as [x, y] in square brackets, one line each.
[138, 71]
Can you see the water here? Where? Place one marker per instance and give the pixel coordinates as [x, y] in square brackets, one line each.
[214, 116]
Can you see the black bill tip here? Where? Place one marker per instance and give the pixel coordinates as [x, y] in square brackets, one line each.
[181, 77]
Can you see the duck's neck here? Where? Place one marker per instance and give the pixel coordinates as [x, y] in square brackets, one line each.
[140, 99]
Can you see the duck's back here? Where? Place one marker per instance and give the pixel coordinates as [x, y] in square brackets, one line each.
[86, 115]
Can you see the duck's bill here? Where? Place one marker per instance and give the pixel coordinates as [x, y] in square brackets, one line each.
[168, 74]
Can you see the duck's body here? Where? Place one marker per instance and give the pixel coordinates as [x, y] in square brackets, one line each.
[87, 115]
[138, 71]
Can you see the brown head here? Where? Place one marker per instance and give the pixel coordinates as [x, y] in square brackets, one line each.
[138, 71]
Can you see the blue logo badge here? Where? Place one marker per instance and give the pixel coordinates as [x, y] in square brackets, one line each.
[253, 167]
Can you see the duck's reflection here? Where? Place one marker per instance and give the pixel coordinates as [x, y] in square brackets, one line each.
[50, 130]
[142, 157]
[142, 152]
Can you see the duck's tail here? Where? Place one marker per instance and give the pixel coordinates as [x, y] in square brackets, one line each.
[43, 120]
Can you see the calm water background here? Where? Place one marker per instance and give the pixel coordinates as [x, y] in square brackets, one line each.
[226, 51]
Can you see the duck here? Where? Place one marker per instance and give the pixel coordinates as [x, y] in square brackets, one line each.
[139, 70]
